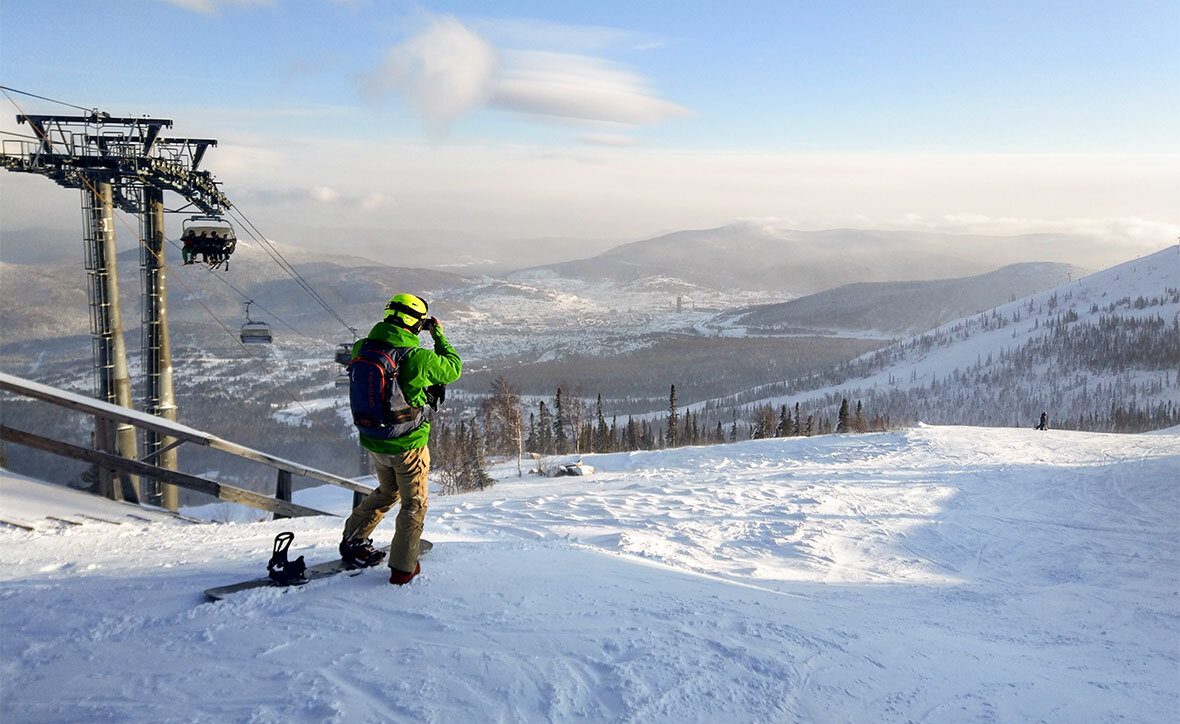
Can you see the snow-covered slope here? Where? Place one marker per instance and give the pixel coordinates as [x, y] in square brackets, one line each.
[932, 574]
[1080, 351]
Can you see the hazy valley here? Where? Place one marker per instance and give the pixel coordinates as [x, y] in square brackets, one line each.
[735, 317]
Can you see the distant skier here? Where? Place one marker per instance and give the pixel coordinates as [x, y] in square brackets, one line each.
[1044, 424]
[396, 431]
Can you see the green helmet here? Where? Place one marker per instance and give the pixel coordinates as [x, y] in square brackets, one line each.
[406, 310]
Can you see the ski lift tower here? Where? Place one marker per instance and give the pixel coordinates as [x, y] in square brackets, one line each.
[123, 162]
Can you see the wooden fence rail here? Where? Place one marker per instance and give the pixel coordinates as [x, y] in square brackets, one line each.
[280, 505]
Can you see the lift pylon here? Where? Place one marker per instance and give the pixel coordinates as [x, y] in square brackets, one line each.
[122, 162]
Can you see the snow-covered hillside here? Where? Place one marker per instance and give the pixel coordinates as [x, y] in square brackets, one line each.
[933, 574]
[1091, 352]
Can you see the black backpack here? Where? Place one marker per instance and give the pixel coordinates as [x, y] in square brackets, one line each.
[379, 407]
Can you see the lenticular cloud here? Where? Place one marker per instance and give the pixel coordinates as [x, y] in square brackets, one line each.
[578, 87]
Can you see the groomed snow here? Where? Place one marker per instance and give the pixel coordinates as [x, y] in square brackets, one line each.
[946, 574]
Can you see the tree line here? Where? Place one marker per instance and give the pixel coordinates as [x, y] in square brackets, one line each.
[503, 424]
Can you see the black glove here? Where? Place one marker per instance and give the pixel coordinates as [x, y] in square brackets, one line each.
[429, 324]
[435, 395]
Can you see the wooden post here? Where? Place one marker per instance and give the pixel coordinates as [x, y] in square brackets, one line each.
[283, 490]
[358, 496]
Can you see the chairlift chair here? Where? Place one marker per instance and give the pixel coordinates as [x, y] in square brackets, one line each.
[343, 353]
[210, 236]
[255, 332]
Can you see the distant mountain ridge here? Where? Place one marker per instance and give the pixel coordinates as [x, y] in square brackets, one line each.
[907, 307]
[758, 258]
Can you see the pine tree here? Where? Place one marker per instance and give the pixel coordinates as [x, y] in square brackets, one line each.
[764, 419]
[544, 429]
[719, 433]
[673, 419]
[858, 422]
[601, 443]
[809, 429]
[576, 422]
[733, 428]
[560, 441]
[842, 425]
[476, 468]
[784, 422]
[585, 437]
[798, 421]
[646, 439]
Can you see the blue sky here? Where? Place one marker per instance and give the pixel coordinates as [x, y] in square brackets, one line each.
[329, 98]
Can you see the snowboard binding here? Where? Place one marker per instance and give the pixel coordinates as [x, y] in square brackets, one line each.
[282, 571]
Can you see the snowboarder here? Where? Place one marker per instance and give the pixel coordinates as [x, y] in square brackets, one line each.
[401, 462]
[1044, 424]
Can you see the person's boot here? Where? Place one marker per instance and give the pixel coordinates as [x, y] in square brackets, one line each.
[401, 578]
[360, 553]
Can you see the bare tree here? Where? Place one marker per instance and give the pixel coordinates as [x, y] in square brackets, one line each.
[576, 414]
[506, 408]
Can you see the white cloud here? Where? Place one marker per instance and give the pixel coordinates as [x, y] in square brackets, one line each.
[577, 87]
[212, 7]
[373, 201]
[1130, 232]
[449, 69]
[544, 34]
[614, 140]
[443, 71]
[324, 194]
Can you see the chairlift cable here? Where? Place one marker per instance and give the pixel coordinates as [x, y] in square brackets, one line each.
[244, 296]
[25, 136]
[34, 95]
[265, 243]
[282, 261]
[266, 371]
[259, 238]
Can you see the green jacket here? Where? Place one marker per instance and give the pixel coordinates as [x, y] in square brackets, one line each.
[419, 369]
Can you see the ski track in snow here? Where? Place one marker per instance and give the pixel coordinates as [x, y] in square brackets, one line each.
[935, 574]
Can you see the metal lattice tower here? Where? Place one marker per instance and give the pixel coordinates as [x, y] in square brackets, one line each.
[124, 163]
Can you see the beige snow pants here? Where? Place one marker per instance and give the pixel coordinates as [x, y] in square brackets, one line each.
[399, 477]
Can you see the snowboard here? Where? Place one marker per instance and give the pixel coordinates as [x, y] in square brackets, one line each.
[313, 573]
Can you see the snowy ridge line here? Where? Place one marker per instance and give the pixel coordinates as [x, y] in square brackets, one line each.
[928, 376]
